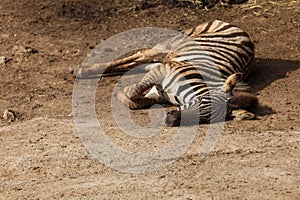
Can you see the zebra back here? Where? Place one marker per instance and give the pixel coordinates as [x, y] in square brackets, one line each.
[218, 38]
[219, 44]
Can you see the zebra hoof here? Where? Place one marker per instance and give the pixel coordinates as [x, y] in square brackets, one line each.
[173, 118]
[241, 114]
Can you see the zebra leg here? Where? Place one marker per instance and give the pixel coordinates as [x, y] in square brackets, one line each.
[133, 96]
[133, 100]
[242, 99]
[238, 104]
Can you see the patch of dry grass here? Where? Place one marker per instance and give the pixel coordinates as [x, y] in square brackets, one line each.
[254, 4]
[268, 8]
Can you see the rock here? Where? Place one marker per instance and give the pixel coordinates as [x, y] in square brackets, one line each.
[9, 115]
[3, 60]
[20, 50]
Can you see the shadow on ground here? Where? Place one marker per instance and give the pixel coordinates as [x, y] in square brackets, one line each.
[266, 71]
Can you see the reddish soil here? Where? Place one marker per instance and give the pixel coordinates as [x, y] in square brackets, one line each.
[42, 155]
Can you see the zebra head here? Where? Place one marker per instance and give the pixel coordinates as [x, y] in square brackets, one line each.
[209, 108]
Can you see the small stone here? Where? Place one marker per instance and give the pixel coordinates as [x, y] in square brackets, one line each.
[3, 60]
[9, 115]
[18, 50]
[21, 50]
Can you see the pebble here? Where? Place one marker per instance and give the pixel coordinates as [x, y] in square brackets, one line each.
[3, 60]
[21, 50]
[9, 115]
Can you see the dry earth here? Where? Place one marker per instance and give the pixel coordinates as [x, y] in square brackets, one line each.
[42, 155]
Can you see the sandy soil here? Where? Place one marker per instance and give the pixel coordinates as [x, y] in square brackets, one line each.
[44, 157]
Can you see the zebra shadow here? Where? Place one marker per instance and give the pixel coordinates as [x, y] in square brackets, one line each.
[264, 72]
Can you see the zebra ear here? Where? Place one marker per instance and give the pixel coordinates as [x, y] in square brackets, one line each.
[231, 81]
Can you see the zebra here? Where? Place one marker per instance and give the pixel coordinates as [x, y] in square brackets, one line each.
[202, 76]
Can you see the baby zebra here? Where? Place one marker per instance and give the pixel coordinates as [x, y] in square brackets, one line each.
[202, 75]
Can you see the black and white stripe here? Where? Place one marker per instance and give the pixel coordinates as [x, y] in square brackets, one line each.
[194, 74]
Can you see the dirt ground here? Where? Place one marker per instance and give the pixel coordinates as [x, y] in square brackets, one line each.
[42, 155]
